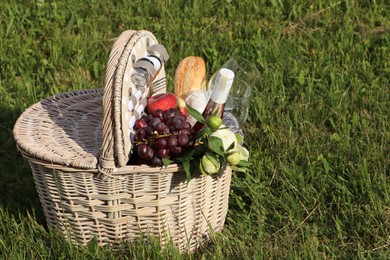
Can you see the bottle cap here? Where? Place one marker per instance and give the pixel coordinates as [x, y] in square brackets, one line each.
[222, 86]
[155, 61]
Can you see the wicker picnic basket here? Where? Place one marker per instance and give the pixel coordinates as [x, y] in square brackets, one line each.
[78, 146]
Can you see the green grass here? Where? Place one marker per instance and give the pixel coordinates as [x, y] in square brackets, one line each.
[318, 128]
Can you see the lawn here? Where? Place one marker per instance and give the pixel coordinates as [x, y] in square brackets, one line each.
[318, 129]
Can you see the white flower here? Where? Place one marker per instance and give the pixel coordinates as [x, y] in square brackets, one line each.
[243, 152]
[228, 138]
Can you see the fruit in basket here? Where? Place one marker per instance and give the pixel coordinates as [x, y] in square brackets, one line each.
[140, 123]
[166, 101]
[234, 158]
[209, 164]
[190, 75]
[162, 134]
[214, 122]
[182, 105]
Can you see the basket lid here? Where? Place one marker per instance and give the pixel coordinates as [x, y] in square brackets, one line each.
[118, 116]
[64, 130]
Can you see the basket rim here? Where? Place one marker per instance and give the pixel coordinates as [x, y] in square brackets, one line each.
[125, 170]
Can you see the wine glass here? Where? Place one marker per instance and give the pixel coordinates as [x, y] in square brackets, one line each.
[237, 105]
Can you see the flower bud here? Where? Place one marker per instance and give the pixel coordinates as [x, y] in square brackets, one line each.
[244, 153]
[233, 158]
[209, 164]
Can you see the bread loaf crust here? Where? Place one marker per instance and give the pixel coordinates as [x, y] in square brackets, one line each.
[190, 75]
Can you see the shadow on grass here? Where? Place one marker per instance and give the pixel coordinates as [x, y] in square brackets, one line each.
[17, 189]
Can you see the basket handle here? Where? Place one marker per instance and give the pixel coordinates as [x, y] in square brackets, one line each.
[123, 102]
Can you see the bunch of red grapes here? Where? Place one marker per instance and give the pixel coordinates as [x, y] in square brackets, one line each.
[162, 135]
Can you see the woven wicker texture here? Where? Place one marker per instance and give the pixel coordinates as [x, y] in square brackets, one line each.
[63, 130]
[159, 204]
[62, 138]
[118, 91]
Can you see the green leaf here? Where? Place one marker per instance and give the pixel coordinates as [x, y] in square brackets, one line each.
[199, 150]
[301, 78]
[195, 114]
[93, 245]
[216, 145]
[214, 159]
[243, 163]
[202, 170]
[186, 167]
[239, 169]
[239, 138]
[166, 162]
[185, 156]
[204, 131]
[195, 164]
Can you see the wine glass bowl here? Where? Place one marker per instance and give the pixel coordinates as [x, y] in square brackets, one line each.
[237, 105]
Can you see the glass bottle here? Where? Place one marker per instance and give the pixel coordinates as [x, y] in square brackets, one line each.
[145, 69]
[218, 96]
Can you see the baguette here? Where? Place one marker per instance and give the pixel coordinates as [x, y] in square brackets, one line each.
[190, 75]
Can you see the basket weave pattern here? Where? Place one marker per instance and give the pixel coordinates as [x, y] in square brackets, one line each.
[64, 137]
[161, 204]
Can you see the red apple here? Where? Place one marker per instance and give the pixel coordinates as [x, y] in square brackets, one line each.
[162, 101]
[166, 101]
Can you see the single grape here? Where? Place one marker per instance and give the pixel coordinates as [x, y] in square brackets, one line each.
[139, 135]
[182, 139]
[172, 141]
[178, 122]
[149, 155]
[156, 161]
[190, 143]
[172, 129]
[160, 142]
[171, 113]
[166, 129]
[160, 127]
[148, 131]
[163, 153]
[154, 121]
[148, 118]
[140, 123]
[169, 121]
[175, 149]
[143, 150]
[160, 114]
